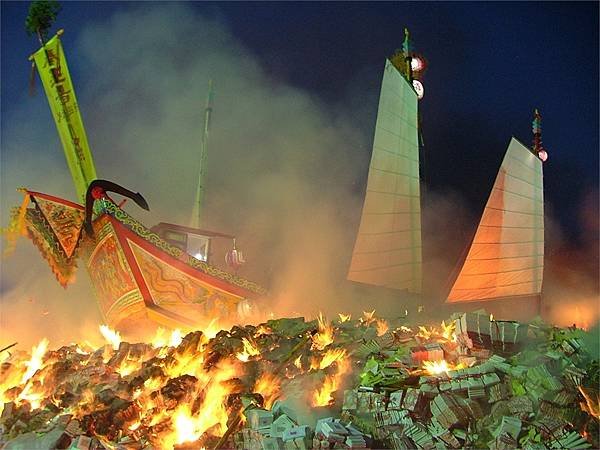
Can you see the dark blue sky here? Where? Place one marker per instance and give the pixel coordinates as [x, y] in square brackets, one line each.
[490, 64]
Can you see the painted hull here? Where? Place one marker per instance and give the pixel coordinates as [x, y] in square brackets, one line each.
[138, 277]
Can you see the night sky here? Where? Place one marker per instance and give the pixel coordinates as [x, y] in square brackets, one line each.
[490, 65]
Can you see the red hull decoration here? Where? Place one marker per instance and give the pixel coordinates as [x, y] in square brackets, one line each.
[136, 274]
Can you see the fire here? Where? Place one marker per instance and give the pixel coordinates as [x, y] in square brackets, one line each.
[382, 327]
[189, 426]
[176, 338]
[128, 366]
[425, 332]
[298, 362]
[269, 386]
[368, 317]
[331, 356]
[159, 340]
[344, 317]
[35, 363]
[249, 350]
[112, 337]
[211, 330]
[445, 332]
[323, 396]
[439, 367]
[263, 330]
[591, 404]
[325, 335]
[448, 331]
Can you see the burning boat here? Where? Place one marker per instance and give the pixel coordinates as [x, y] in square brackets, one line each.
[162, 274]
[506, 257]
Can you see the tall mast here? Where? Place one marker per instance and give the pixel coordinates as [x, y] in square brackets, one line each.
[199, 203]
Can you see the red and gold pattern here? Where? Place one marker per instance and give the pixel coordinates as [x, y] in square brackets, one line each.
[116, 288]
[65, 221]
[176, 291]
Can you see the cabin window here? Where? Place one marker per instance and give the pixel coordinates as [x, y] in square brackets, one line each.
[197, 246]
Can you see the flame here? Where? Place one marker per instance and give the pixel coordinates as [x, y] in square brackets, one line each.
[112, 337]
[35, 363]
[438, 367]
[189, 427]
[448, 331]
[159, 340]
[382, 327]
[176, 338]
[344, 317]
[269, 386]
[128, 366]
[331, 356]
[263, 330]
[298, 362]
[591, 404]
[211, 330]
[368, 317]
[250, 349]
[445, 332]
[323, 396]
[325, 335]
[425, 332]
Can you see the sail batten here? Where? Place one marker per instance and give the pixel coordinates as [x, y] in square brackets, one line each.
[506, 257]
[387, 251]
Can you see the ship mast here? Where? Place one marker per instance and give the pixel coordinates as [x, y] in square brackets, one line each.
[199, 203]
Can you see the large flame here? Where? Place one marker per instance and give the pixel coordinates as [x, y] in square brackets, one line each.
[269, 386]
[112, 337]
[323, 395]
[35, 363]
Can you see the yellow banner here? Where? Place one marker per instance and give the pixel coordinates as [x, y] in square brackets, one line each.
[52, 67]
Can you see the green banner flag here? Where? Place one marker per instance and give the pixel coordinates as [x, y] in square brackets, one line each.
[52, 67]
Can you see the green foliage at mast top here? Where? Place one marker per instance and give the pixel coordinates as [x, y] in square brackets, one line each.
[41, 15]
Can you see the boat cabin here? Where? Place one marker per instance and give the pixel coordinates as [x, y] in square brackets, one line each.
[193, 241]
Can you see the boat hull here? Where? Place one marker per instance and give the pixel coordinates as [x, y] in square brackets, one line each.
[139, 279]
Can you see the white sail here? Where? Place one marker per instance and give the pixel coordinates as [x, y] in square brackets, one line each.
[506, 258]
[387, 251]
